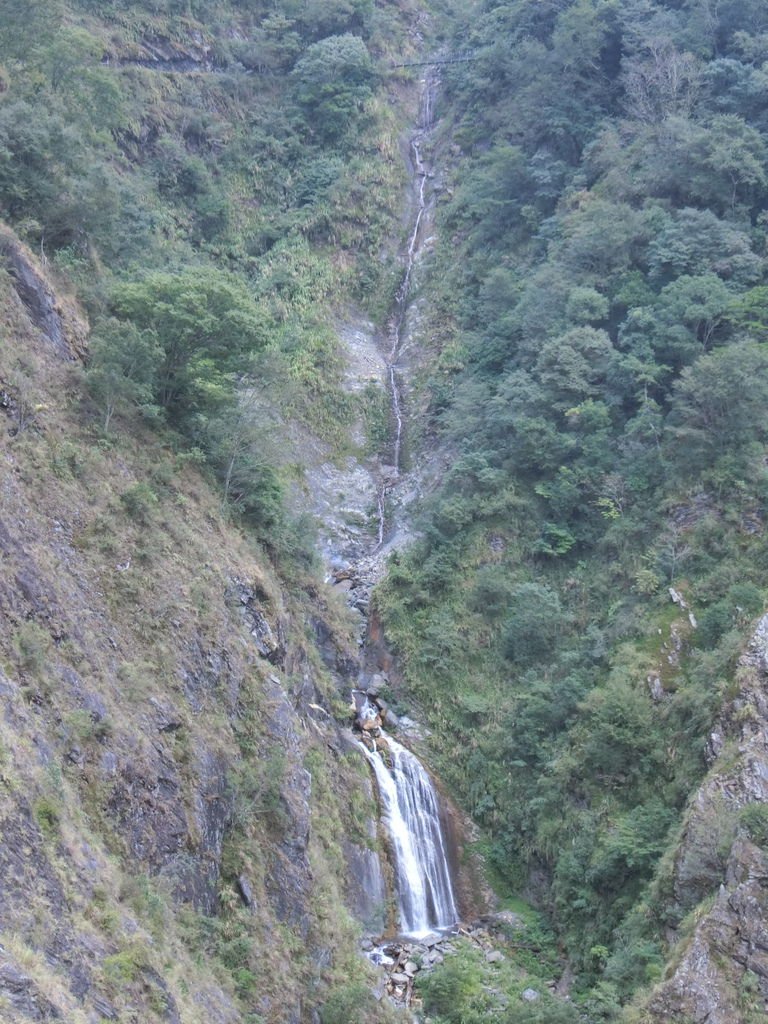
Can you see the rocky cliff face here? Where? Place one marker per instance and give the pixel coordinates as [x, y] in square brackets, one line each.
[175, 798]
[719, 970]
[50, 313]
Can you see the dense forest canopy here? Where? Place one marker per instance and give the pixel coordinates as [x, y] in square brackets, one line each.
[601, 386]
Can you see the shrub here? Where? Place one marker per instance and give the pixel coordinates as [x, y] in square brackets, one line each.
[31, 645]
[754, 820]
[534, 625]
[47, 816]
[139, 501]
[352, 1003]
[332, 80]
[453, 991]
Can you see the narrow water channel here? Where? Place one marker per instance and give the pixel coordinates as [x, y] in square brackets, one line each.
[398, 318]
[408, 802]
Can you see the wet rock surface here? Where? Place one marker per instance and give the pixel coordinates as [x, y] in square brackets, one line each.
[361, 500]
[356, 548]
[341, 492]
[366, 889]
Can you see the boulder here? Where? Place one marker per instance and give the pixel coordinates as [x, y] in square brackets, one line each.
[502, 920]
[376, 685]
[380, 959]
[246, 891]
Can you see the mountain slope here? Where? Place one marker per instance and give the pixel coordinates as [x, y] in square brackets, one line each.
[591, 566]
[176, 800]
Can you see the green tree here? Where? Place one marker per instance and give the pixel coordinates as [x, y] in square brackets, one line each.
[332, 81]
[749, 311]
[322, 18]
[719, 406]
[491, 196]
[586, 306]
[571, 366]
[123, 366]
[27, 27]
[40, 153]
[689, 313]
[535, 621]
[582, 35]
[206, 324]
[697, 241]
[71, 51]
[244, 448]
[735, 154]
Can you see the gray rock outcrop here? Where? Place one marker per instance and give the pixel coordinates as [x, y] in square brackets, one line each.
[721, 972]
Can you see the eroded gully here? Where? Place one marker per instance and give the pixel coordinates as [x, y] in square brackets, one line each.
[409, 804]
[390, 474]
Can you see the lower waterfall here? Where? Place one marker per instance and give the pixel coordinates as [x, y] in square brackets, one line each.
[411, 813]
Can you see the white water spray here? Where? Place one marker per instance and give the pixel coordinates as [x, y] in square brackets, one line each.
[411, 813]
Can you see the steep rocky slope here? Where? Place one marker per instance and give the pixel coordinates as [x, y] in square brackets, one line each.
[179, 809]
[718, 878]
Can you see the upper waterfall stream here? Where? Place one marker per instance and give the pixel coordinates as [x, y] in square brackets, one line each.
[403, 294]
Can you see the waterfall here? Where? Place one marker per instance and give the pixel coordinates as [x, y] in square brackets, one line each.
[411, 813]
[404, 291]
[397, 328]
[409, 804]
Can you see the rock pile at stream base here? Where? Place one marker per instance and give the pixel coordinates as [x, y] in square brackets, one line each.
[401, 960]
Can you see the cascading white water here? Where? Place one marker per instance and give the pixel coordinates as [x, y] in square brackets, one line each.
[411, 813]
[409, 804]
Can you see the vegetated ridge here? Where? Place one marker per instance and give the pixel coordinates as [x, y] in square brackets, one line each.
[591, 568]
